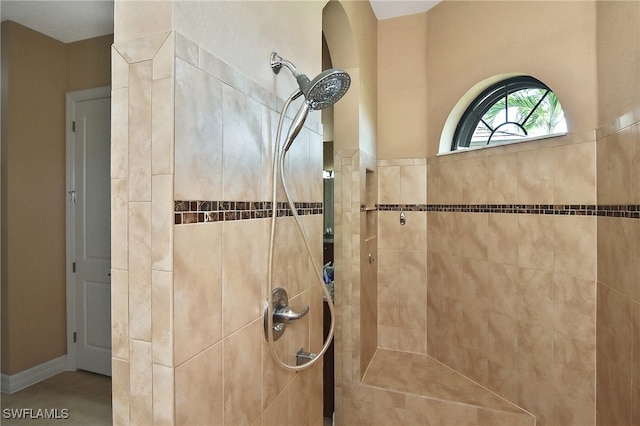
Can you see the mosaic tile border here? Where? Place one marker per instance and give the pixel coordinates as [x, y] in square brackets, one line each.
[630, 211]
[186, 212]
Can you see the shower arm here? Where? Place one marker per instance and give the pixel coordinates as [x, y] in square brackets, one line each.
[277, 62]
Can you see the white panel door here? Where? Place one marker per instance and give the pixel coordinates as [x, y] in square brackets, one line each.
[92, 239]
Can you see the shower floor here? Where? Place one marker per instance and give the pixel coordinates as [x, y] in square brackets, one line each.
[418, 388]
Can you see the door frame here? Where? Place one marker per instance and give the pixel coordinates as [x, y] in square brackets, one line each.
[71, 99]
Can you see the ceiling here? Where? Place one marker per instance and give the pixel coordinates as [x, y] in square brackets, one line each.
[73, 20]
[386, 9]
[64, 20]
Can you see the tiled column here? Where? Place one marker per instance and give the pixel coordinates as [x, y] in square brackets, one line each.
[142, 210]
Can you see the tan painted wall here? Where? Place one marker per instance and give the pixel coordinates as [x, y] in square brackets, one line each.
[40, 70]
[363, 25]
[467, 42]
[244, 33]
[618, 35]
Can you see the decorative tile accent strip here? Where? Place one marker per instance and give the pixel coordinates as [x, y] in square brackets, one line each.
[218, 211]
[630, 211]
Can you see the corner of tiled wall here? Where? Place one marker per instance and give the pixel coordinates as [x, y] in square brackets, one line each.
[191, 168]
[618, 290]
[142, 206]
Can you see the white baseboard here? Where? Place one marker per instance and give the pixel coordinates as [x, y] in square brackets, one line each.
[15, 382]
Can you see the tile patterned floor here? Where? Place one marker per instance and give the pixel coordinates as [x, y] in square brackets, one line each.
[86, 397]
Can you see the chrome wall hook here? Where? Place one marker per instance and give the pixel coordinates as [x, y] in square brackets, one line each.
[403, 217]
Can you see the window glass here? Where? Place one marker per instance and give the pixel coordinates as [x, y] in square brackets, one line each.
[513, 110]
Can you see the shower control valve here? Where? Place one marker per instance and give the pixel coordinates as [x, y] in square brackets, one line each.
[282, 313]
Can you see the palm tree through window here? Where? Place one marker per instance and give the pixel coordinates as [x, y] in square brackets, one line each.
[513, 110]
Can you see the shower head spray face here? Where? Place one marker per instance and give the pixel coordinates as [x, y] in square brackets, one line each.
[327, 88]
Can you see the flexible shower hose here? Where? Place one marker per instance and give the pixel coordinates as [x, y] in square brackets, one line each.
[279, 171]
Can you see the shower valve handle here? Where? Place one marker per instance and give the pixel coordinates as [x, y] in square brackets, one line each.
[281, 313]
[287, 314]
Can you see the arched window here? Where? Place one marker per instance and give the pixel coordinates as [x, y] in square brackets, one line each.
[513, 110]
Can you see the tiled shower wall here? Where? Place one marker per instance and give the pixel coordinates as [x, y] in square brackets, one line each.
[356, 288]
[505, 240]
[188, 343]
[618, 313]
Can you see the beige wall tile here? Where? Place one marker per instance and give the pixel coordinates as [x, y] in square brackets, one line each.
[274, 378]
[497, 418]
[120, 391]
[574, 307]
[502, 172]
[412, 311]
[614, 329]
[388, 337]
[140, 271]
[242, 365]
[164, 59]
[139, 146]
[163, 395]
[502, 289]
[244, 266]
[614, 159]
[198, 388]
[473, 174]
[198, 134]
[502, 238]
[119, 224]
[241, 146]
[291, 263]
[618, 253]
[120, 131]
[299, 399]
[389, 184]
[278, 413]
[119, 70]
[119, 314]
[161, 222]
[411, 236]
[187, 50]
[140, 380]
[574, 379]
[575, 246]
[503, 381]
[413, 184]
[473, 287]
[536, 242]
[469, 235]
[535, 355]
[162, 126]
[451, 185]
[433, 182]
[574, 174]
[412, 340]
[535, 396]
[162, 317]
[635, 170]
[635, 391]
[389, 307]
[197, 288]
[535, 297]
[535, 176]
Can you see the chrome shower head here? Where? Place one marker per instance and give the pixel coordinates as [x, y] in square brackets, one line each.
[321, 92]
[327, 88]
